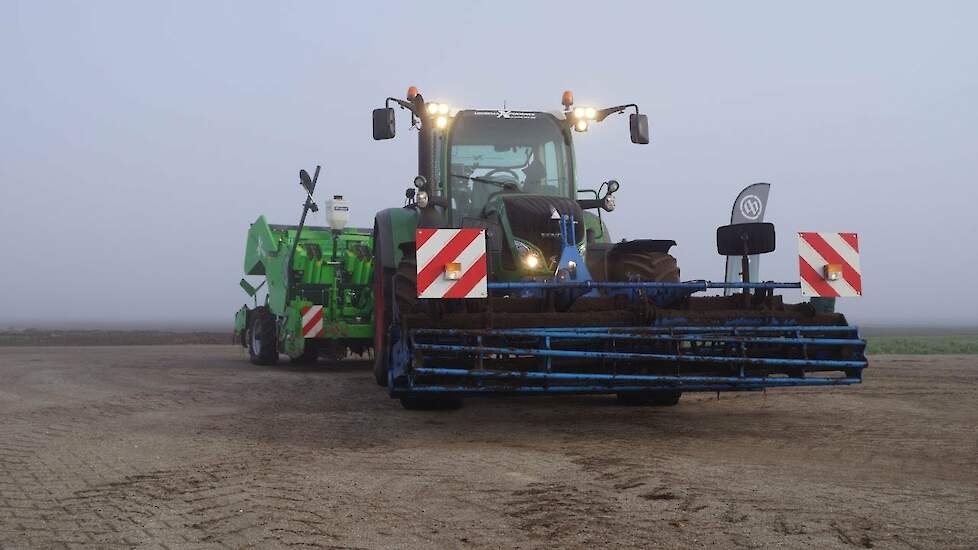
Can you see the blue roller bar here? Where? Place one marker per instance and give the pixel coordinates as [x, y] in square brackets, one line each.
[678, 338]
[762, 361]
[675, 380]
[696, 286]
[612, 330]
[531, 390]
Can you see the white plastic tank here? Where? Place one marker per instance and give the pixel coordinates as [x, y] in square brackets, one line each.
[337, 212]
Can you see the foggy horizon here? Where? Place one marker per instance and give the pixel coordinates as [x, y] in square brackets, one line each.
[139, 143]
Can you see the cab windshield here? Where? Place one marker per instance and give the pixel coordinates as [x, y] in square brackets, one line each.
[489, 154]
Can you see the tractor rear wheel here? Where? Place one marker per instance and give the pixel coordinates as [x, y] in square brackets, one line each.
[665, 398]
[658, 267]
[262, 337]
[406, 283]
[382, 320]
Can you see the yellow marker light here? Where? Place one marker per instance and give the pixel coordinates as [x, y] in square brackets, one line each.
[441, 122]
[581, 125]
[579, 112]
[590, 113]
[832, 272]
[453, 271]
[432, 108]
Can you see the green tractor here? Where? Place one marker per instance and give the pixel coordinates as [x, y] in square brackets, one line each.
[318, 300]
[565, 309]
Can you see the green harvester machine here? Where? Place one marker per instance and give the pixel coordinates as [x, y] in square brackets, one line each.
[318, 299]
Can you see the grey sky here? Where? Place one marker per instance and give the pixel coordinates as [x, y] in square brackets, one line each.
[139, 139]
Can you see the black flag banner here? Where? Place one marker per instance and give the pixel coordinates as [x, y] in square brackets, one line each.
[750, 207]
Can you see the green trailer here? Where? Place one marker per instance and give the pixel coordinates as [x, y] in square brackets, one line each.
[316, 282]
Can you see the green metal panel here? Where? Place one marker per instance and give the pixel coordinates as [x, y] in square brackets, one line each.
[403, 223]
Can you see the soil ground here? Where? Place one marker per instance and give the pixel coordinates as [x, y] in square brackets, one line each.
[192, 446]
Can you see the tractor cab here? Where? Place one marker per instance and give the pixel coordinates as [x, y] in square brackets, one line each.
[511, 172]
[487, 155]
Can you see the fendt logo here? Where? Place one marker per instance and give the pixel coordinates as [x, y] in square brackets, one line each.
[751, 206]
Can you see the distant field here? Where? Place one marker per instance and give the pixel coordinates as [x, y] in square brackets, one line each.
[39, 337]
[922, 345]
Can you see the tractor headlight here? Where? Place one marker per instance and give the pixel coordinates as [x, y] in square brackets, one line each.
[422, 199]
[529, 257]
[609, 202]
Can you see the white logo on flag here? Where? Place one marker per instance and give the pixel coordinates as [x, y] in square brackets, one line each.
[750, 207]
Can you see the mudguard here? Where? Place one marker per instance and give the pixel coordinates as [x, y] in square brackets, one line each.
[600, 255]
[392, 227]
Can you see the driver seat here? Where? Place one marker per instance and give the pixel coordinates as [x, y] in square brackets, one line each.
[534, 175]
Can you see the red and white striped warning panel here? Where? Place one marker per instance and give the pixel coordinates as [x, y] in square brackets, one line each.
[312, 321]
[829, 264]
[451, 263]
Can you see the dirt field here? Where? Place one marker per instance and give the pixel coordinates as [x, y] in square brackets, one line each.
[191, 446]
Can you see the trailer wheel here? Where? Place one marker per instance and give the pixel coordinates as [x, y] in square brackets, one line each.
[665, 398]
[382, 320]
[645, 266]
[262, 341]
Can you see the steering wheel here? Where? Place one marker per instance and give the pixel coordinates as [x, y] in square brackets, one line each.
[511, 185]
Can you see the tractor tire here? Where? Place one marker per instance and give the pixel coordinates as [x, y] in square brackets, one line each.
[406, 284]
[262, 338]
[309, 355]
[431, 403]
[645, 266]
[383, 316]
[664, 398]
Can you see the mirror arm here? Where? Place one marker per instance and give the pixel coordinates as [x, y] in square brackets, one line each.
[404, 104]
[605, 113]
[588, 204]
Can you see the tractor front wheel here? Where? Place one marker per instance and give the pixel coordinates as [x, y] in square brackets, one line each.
[658, 267]
[262, 338]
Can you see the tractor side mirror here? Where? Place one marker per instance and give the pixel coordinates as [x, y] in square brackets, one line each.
[383, 123]
[638, 125]
[745, 239]
[307, 181]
